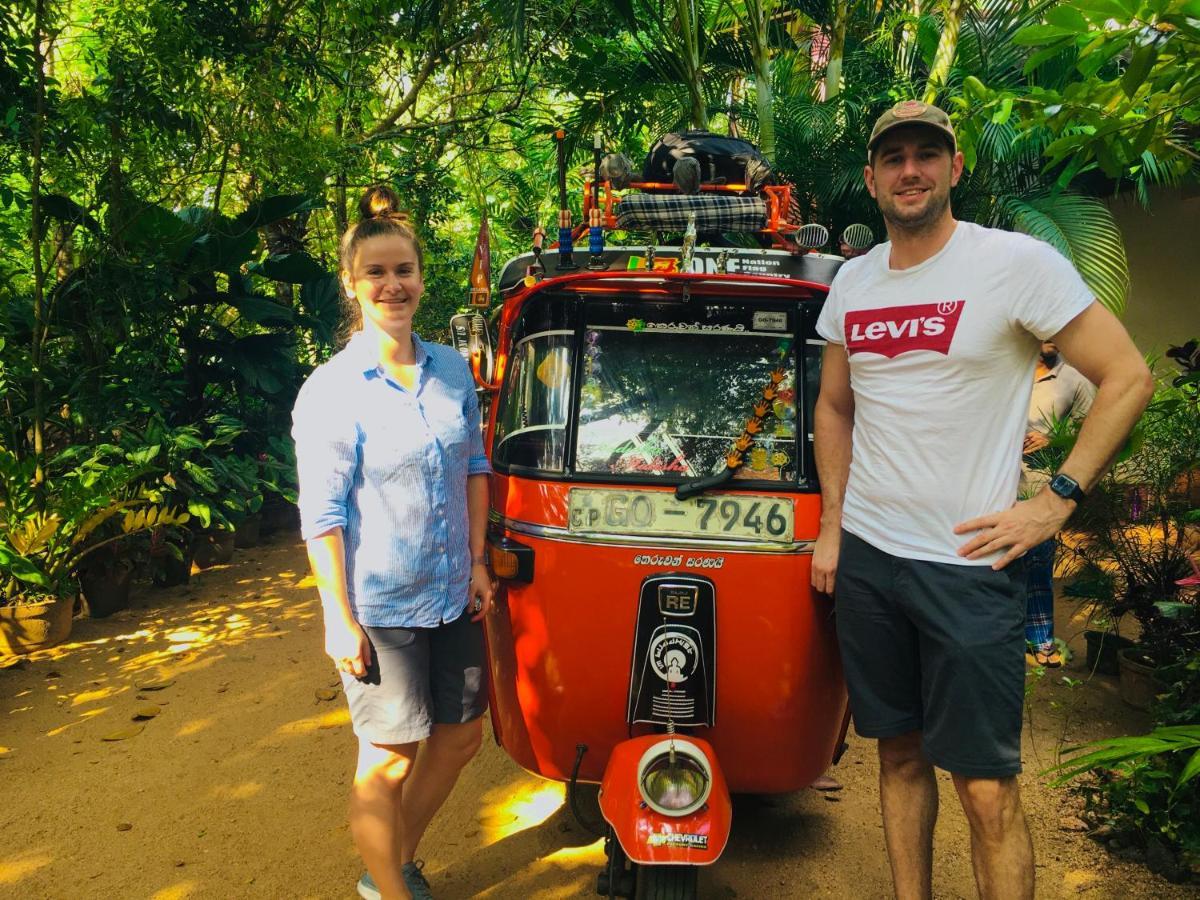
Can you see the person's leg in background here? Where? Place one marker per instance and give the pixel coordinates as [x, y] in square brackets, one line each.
[1039, 604]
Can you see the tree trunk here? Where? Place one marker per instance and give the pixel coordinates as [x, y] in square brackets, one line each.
[689, 27]
[758, 22]
[837, 49]
[340, 220]
[36, 228]
[952, 13]
[765, 98]
[908, 35]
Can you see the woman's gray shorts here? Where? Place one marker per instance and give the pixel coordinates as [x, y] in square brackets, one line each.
[418, 678]
[936, 648]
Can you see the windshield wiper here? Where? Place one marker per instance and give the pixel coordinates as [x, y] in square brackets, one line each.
[762, 410]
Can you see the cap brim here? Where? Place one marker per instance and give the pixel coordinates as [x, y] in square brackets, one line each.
[944, 132]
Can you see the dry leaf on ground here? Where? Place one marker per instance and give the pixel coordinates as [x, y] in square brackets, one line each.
[124, 733]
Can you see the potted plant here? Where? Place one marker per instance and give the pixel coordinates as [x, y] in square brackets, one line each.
[1130, 552]
[48, 528]
[277, 475]
[193, 473]
[240, 474]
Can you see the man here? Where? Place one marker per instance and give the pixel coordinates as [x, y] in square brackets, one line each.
[932, 339]
[1059, 393]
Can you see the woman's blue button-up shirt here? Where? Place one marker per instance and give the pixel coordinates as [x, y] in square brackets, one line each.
[390, 466]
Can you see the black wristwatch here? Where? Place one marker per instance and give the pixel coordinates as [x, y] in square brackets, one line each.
[1066, 487]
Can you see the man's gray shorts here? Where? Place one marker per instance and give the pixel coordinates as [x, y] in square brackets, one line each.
[418, 678]
[936, 648]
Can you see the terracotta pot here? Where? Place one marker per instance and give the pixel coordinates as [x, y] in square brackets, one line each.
[106, 588]
[35, 626]
[212, 548]
[247, 533]
[1139, 686]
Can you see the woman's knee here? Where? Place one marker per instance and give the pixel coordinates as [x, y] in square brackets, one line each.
[385, 764]
[460, 742]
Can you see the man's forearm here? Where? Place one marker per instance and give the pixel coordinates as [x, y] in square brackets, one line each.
[1120, 400]
[832, 433]
[477, 513]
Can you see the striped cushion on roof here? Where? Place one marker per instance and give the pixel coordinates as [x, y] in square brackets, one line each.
[670, 212]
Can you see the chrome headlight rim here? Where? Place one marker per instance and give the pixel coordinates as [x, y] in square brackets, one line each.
[689, 751]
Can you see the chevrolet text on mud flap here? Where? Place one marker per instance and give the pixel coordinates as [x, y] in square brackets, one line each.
[901, 329]
[675, 839]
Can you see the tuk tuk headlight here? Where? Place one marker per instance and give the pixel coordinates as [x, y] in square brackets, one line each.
[674, 777]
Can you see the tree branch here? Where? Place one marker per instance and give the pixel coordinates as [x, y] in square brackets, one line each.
[410, 97]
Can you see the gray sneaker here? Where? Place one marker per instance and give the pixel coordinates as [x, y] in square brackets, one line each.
[367, 888]
[417, 885]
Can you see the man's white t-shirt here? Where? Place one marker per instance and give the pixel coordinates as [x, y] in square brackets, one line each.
[942, 358]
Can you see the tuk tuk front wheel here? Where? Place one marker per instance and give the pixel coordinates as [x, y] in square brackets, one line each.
[666, 882]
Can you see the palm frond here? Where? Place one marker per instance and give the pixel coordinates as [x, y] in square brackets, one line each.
[1083, 230]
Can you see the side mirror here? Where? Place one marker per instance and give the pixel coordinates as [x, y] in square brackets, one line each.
[473, 341]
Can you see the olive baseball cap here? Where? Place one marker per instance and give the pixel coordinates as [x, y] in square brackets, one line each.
[912, 112]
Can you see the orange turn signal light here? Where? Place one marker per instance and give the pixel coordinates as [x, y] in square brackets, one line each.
[510, 559]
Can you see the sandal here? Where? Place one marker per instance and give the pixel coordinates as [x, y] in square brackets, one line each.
[1048, 657]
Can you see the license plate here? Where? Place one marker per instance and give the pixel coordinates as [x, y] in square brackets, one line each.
[732, 516]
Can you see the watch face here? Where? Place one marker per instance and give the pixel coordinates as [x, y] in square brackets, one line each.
[1064, 486]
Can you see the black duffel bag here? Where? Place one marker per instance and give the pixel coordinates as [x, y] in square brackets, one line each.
[722, 160]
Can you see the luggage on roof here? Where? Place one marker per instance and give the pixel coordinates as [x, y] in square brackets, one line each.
[723, 160]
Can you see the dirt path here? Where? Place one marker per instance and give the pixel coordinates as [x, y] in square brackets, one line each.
[237, 788]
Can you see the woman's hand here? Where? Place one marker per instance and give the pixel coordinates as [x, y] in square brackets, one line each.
[481, 592]
[347, 645]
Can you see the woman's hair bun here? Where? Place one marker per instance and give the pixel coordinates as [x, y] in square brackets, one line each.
[380, 202]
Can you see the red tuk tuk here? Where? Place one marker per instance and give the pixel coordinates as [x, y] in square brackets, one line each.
[655, 630]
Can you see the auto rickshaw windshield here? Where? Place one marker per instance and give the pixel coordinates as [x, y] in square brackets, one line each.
[664, 391]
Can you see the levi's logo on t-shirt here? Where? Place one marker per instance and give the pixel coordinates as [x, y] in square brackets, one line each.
[900, 329]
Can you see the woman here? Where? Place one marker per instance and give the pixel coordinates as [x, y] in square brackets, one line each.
[393, 505]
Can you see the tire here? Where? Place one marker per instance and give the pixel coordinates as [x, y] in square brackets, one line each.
[666, 882]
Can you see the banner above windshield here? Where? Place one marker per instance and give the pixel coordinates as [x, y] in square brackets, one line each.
[813, 267]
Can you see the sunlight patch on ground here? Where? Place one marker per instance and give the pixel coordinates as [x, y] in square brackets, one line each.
[91, 696]
[175, 891]
[193, 727]
[243, 791]
[332, 719]
[15, 868]
[532, 805]
[83, 717]
[588, 855]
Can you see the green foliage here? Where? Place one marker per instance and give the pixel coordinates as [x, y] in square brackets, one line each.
[1132, 546]
[1146, 787]
[1130, 85]
[88, 500]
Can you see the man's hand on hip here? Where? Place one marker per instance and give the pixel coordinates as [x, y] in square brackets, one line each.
[1016, 530]
[825, 559]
